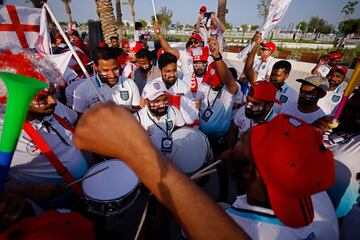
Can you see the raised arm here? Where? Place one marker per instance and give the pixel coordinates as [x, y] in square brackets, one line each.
[221, 68]
[191, 206]
[321, 62]
[249, 72]
[164, 44]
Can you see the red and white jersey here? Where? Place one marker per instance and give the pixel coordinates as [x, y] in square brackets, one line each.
[261, 223]
[30, 166]
[292, 109]
[128, 70]
[193, 82]
[163, 127]
[125, 93]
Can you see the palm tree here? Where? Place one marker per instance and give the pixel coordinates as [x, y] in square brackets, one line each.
[105, 12]
[244, 29]
[68, 11]
[119, 18]
[221, 10]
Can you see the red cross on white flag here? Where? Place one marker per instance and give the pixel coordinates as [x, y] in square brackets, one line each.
[20, 26]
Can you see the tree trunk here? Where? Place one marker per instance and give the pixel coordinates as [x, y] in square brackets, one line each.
[68, 13]
[133, 16]
[119, 18]
[105, 11]
[221, 12]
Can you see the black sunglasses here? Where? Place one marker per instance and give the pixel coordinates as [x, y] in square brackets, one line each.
[194, 41]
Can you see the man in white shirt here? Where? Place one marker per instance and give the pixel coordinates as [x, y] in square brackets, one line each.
[218, 91]
[180, 91]
[285, 169]
[336, 78]
[258, 67]
[312, 89]
[258, 108]
[146, 71]
[325, 63]
[50, 121]
[157, 117]
[184, 56]
[121, 90]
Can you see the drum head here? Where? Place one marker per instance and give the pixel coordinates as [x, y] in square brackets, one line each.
[113, 183]
[190, 150]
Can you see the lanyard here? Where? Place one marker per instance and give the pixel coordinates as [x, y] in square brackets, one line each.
[167, 125]
[217, 96]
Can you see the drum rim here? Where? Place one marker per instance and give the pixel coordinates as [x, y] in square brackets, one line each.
[109, 200]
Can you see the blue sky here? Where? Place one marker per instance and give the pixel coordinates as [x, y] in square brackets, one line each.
[185, 11]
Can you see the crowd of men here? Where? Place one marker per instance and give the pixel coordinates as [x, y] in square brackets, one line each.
[296, 177]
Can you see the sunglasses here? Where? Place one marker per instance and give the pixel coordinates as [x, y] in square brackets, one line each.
[264, 49]
[194, 41]
[196, 65]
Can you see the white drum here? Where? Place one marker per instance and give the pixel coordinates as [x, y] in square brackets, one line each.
[110, 191]
[191, 150]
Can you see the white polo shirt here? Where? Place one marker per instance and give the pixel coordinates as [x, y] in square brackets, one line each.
[262, 68]
[261, 223]
[332, 99]
[285, 95]
[221, 104]
[125, 92]
[245, 123]
[292, 109]
[346, 150]
[163, 127]
[30, 166]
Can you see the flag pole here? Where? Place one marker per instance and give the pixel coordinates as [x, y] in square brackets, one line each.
[100, 96]
[153, 6]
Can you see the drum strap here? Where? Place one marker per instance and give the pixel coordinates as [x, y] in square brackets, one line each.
[51, 157]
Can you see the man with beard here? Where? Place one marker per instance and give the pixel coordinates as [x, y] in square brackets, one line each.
[157, 117]
[184, 56]
[111, 85]
[145, 72]
[312, 89]
[53, 124]
[336, 78]
[258, 108]
[181, 96]
[114, 46]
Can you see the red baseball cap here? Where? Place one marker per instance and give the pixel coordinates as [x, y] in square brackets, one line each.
[335, 55]
[197, 37]
[200, 54]
[160, 52]
[340, 68]
[294, 164]
[269, 45]
[264, 91]
[135, 46]
[124, 42]
[211, 77]
[58, 36]
[203, 9]
[52, 225]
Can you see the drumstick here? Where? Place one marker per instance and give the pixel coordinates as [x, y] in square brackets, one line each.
[207, 168]
[196, 176]
[83, 178]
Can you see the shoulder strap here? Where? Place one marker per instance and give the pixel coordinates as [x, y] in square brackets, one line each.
[51, 157]
[64, 123]
[137, 113]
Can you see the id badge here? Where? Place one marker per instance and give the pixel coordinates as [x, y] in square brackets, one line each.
[166, 144]
[207, 115]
